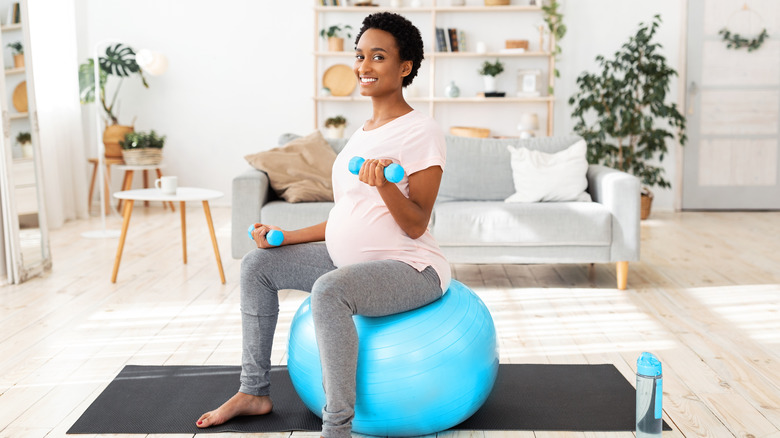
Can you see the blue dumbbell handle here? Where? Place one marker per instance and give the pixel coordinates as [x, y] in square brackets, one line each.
[393, 173]
[273, 237]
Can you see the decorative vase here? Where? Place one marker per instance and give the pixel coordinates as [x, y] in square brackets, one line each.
[335, 44]
[490, 83]
[111, 137]
[27, 151]
[19, 60]
[452, 90]
[336, 131]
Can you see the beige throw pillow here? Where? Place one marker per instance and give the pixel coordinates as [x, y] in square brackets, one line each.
[299, 171]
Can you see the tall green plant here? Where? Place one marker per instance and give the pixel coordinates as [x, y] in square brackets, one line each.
[621, 111]
[119, 61]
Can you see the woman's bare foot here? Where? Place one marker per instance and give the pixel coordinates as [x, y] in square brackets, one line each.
[239, 404]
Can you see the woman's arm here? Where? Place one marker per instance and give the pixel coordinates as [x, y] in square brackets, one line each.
[413, 213]
[314, 233]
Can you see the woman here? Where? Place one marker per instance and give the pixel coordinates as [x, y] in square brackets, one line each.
[378, 258]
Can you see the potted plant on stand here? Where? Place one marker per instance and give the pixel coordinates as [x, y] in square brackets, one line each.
[18, 51]
[335, 126]
[489, 71]
[622, 112]
[142, 148]
[334, 35]
[25, 141]
[119, 61]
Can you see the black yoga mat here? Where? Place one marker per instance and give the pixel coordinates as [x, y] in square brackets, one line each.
[169, 399]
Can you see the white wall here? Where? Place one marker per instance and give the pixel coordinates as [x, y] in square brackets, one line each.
[241, 72]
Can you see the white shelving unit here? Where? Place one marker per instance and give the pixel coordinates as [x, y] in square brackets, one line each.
[439, 68]
[21, 179]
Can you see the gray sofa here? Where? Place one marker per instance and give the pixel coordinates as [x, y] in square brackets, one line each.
[471, 221]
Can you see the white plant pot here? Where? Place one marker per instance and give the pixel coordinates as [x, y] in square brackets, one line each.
[27, 151]
[490, 83]
[336, 131]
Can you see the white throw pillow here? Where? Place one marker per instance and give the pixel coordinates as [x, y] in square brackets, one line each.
[539, 176]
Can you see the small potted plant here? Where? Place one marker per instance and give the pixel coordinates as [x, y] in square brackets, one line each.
[142, 148]
[489, 71]
[25, 141]
[335, 126]
[335, 36]
[18, 51]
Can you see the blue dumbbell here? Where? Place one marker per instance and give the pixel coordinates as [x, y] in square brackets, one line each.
[273, 237]
[393, 173]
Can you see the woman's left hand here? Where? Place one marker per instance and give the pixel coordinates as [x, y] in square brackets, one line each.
[373, 172]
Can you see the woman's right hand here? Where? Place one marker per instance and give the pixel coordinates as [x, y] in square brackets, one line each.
[259, 233]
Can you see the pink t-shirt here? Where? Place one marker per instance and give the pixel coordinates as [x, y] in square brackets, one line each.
[360, 227]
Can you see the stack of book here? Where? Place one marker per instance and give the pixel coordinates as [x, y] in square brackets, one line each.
[449, 40]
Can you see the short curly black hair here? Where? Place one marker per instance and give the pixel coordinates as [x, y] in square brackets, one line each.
[407, 38]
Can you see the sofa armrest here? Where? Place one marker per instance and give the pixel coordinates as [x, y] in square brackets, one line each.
[619, 192]
[251, 190]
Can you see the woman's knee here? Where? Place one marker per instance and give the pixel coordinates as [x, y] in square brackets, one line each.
[258, 296]
[330, 290]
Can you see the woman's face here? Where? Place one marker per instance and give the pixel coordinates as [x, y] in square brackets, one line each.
[378, 65]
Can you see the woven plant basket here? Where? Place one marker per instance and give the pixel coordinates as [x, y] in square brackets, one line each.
[142, 157]
[647, 203]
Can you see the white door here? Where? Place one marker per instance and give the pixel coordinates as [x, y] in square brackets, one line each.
[732, 159]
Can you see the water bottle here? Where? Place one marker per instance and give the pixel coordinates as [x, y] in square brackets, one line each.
[649, 396]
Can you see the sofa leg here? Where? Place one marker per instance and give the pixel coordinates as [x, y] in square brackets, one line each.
[622, 275]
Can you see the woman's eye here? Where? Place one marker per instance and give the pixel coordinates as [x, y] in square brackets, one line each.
[378, 57]
[359, 57]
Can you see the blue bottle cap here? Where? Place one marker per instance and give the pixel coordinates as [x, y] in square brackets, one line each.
[648, 365]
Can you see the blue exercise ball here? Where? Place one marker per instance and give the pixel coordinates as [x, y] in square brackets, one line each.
[418, 372]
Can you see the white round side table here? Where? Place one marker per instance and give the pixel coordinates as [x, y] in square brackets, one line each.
[182, 195]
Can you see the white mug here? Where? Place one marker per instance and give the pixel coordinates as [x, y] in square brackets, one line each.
[167, 184]
[481, 47]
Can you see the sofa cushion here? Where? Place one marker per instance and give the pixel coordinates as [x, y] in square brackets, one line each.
[498, 223]
[299, 171]
[541, 176]
[292, 217]
[337, 144]
[478, 168]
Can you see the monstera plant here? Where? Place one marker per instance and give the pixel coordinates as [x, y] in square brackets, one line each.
[118, 62]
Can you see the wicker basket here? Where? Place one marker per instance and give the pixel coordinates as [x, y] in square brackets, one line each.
[142, 157]
[496, 2]
[647, 203]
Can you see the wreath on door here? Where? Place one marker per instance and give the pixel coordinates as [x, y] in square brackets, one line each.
[736, 41]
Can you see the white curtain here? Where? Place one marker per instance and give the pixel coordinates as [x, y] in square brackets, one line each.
[55, 72]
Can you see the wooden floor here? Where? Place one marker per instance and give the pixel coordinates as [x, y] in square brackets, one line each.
[705, 298]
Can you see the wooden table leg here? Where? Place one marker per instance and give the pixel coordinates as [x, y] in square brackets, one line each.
[214, 240]
[159, 175]
[127, 184]
[146, 185]
[92, 186]
[107, 178]
[183, 231]
[128, 211]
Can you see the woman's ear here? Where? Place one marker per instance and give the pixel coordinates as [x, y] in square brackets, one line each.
[406, 68]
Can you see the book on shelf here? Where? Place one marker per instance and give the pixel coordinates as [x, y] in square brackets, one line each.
[17, 13]
[453, 34]
[441, 40]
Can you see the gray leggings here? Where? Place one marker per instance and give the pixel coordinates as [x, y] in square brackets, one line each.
[374, 288]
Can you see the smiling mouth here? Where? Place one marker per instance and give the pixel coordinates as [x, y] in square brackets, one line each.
[367, 80]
